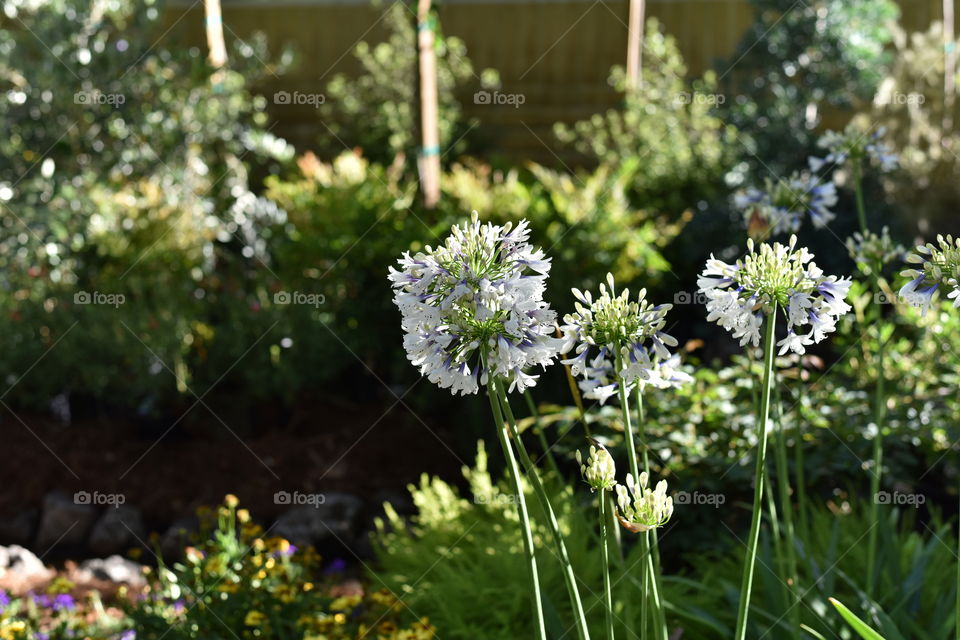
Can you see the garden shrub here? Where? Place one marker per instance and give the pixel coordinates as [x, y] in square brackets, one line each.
[797, 65]
[676, 149]
[126, 168]
[911, 105]
[378, 109]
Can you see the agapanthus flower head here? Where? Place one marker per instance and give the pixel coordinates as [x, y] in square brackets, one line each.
[872, 252]
[640, 508]
[739, 295]
[612, 325]
[599, 471]
[782, 205]
[856, 143]
[480, 293]
[938, 265]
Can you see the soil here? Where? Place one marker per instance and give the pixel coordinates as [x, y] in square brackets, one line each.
[368, 451]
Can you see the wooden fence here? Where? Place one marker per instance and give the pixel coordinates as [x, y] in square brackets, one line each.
[556, 53]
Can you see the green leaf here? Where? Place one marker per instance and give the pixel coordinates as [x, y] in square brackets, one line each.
[858, 625]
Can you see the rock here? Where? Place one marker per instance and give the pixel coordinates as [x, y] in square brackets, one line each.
[336, 516]
[178, 536]
[113, 569]
[16, 559]
[65, 520]
[20, 528]
[118, 529]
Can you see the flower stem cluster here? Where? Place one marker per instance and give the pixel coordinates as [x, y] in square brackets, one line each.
[599, 472]
[480, 292]
[781, 206]
[739, 295]
[937, 265]
[614, 329]
[640, 508]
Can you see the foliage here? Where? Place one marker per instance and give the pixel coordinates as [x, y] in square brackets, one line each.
[676, 149]
[795, 64]
[378, 110]
[124, 189]
[451, 536]
[239, 580]
[56, 615]
[912, 105]
[917, 569]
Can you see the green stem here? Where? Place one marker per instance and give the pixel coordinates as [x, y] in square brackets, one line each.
[577, 399]
[783, 483]
[605, 563]
[858, 190]
[533, 475]
[801, 480]
[747, 583]
[630, 442]
[645, 585]
[514, 470]
[653, 539]
[541, 436]
[777, 539]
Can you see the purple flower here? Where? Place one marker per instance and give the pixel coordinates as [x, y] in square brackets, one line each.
[128, 635]
[63, 602]
[338, 565]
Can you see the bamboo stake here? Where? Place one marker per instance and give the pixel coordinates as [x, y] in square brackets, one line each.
[429, 126]
[949, 65]
[214, 28]
[635, 44]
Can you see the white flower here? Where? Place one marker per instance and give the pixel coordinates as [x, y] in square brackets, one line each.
[937, 265]
[480, 292]
[609, 326]
[641, 509]
[856, 144]
[599, 472]
[781, 206]
[739, 295]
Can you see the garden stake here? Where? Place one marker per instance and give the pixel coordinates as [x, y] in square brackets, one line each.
[746, 585]
[569, 576]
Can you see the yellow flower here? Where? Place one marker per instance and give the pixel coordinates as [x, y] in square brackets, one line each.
[243, 516]
[345, 603]
[231, 501]
[254, 619]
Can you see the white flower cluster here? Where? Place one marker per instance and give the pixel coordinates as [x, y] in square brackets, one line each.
[856, 144]
[781, 206]
[599, 472]
[612, 325]
[641, 509]
[477, 298]
[872, 252]
[937, 265]
[738, 295]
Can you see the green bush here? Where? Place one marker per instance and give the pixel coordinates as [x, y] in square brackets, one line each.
[379, 111]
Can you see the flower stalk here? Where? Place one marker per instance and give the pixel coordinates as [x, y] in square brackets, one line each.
[527, 531]
[569, 576]
[746, 585]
